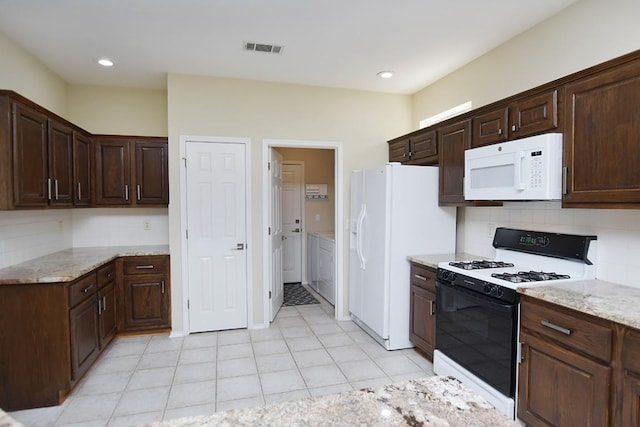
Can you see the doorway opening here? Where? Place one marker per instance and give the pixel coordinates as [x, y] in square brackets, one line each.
[312, 193]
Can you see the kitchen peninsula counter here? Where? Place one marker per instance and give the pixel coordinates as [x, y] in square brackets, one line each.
[433, 401]
[606, 300]
[70, 264]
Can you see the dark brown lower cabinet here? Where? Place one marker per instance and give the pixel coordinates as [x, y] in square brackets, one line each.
[422, 328]
[559, 387]
[85, 347]
[107, 314]
[146, 300]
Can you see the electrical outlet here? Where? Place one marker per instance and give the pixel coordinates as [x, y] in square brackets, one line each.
[317, 217]
[491, 230]
[146, 224]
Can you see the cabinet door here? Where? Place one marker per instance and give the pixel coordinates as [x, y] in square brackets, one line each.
[107, 314]
[113, 172]
[82, 170]
[83, 323]
[601, 149]
[61, 164]
[399, 151]
[152, 181]
[30, 157]
[534, 114]
[424, 148]
[454, 139]
[490, 128]
[422, 331]
[561, 388]
[146, 301]
[630, 400]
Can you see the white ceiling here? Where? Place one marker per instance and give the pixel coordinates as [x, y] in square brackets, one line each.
[336, 43]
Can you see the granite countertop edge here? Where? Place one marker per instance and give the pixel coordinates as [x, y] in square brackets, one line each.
[431, 401]
[70, 264]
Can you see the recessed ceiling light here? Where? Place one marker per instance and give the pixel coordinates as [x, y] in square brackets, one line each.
[385, 74]
[105, 62]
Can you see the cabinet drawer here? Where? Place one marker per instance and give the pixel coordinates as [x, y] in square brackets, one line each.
[145, 265]
[423, 277]
[82, 289]
[568, 329]
[106, 274]
[631, 350]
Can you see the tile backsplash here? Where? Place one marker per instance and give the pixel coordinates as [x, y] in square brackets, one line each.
[618, 232]
[120, 226]
[25, 235]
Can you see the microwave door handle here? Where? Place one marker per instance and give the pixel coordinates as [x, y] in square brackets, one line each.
[519, 184]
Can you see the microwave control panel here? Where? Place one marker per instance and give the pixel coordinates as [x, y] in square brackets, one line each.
[536, 169]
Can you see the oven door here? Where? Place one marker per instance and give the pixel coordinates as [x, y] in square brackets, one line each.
[479, 333]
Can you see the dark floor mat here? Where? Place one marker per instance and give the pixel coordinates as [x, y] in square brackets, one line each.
[296, 294]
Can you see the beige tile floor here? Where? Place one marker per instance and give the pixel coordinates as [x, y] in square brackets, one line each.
[305, 352]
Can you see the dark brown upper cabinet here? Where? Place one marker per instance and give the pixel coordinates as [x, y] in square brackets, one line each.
[131, 172]
[529, 115]
[419, 148]
[601, 144]
[152, 172]
[60, 164]
[82, 169]
[454, 139]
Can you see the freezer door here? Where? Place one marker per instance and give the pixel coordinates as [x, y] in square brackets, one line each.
[374, 232]
[355, 268]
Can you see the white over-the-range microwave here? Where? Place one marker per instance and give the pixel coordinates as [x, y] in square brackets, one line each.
[524, 169]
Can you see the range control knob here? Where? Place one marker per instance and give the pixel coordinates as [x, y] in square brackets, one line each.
[499, 291]
[487, 288]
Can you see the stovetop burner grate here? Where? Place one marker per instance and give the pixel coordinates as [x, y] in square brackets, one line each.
[529, 276]
[479, 265]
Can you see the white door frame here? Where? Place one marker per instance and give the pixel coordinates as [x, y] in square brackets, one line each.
[339, 219]
[183, 221]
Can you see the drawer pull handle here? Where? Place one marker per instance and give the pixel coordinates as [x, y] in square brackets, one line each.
[417, 276]
[162, 283]
[99, 307]
[432, 308]
[555, 327]
[85, 290]
[104, 303]
[144, 267]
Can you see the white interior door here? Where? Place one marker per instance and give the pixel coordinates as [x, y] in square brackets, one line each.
[216, 242]
[275, 226]
[292, 182]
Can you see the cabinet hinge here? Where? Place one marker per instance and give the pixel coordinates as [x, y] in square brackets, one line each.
[186, 234]
[188, 305]
[185, 161]
[268, 166]
[269, 231]
[269, 294]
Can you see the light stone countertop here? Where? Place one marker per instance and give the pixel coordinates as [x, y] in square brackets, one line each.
[68, 265]
[433, 260]
[606, 300]
[433, 401]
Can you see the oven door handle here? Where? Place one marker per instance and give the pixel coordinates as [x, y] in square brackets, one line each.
[483, 300]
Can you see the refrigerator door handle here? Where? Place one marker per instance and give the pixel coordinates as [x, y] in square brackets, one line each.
[363, 213]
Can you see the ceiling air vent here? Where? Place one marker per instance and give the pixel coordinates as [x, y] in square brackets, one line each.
[263, 47]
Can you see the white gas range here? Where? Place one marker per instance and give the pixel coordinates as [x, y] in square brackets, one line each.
[477, 306]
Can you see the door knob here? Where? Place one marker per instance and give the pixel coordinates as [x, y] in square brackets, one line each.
[239, 247]
[283, 237]
[296, 230]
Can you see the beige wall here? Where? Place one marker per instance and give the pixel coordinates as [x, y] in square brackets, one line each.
[587, 33]
[118, 110]
[21, 72]
[209, 106]
[318, 169]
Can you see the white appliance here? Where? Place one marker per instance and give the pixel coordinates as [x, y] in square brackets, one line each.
[486, 291]
[394, 213]
[524, 169]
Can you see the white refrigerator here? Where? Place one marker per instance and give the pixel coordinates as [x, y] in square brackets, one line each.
[394, 214]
